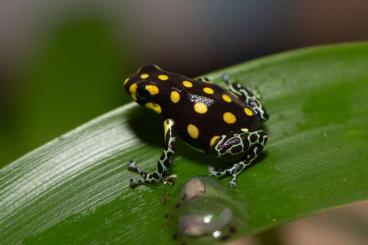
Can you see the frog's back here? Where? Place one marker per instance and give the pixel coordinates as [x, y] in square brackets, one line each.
[207, 111]
[202, 111]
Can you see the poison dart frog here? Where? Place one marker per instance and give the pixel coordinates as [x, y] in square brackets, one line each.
[206, 116]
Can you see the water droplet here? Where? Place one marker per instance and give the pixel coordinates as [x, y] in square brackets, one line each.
[205, 211]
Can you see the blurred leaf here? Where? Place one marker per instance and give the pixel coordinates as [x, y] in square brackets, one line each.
[75, 189]
[71, 76]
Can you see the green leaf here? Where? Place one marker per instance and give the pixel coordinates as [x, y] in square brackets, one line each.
[75, 189]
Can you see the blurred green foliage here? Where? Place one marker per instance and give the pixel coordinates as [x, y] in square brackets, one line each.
[74, 75]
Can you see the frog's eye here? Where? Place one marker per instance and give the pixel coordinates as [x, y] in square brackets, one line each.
[142, 93]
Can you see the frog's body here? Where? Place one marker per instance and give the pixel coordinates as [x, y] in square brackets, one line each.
[204, 115]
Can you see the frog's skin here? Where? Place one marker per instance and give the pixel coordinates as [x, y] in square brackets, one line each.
[206, 116]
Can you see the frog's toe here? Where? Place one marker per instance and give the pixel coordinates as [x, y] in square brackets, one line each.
[169, 180]
[226, 78]
[134, 182]
[212, 171]
[232, 183]
[233, 180]
[256, 94]
[132, 166]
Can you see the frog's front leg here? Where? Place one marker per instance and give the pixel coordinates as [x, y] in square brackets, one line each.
[163, 164]
[249, 97]
[250, 144]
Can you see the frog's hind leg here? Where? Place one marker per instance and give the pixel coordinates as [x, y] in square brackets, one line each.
[163, 163]
[249, 97]
[244, 93]
[250, 144]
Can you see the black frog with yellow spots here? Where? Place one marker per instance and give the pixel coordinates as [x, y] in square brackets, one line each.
[206, 116]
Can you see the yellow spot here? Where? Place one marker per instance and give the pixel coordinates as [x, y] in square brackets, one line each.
[187, 84]
[226, 98]
[208, 90]
[132, 90]
[152, 89]
[248, 111]
[229, 117]
[163, 77]
[174, 96]
[245, 130]
[167, 124]
[193, 131]
[155, 107]
[144, 76]
[126, 81]
[200, 108]
[213, 140]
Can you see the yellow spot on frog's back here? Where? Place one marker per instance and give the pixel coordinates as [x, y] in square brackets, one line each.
[213, 140]
[174, 96]
[226, 98]
[193, 131]
[144, 76]
[132, 90]
[200, 108]
[208, 90]
[248, 111]
[153, 106]
[187, 84]
[229, 118]
[167, 124]
[126, 81]
[152, 89]
[163, 77]
[245, 130]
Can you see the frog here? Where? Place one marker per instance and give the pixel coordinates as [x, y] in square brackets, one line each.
[216, 121]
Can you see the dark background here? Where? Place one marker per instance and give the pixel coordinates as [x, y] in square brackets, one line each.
[62, 62]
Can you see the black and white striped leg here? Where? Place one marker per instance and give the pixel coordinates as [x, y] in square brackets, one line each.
[163, 163]
[248, 143]
[244, 93]
[249, 97]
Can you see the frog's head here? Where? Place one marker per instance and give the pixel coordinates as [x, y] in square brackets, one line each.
[145, 86]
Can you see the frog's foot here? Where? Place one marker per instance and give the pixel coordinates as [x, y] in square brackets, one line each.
[226, 78]
[153, 177]
[132, 166]
[249, 144]
[134, 182]
[169, 180]
[213, 172]
[237, 87]
[233, 171]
